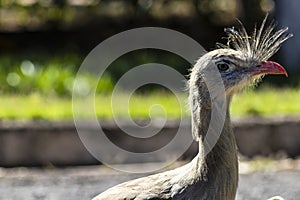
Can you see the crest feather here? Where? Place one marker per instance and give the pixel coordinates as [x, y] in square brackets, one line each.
[261, 45]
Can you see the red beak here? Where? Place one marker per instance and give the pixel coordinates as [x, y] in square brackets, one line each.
[270, 67]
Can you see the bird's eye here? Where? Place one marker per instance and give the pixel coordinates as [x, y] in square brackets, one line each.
[223, 67]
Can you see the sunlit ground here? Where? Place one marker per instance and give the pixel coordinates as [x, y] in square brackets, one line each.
[265, 102]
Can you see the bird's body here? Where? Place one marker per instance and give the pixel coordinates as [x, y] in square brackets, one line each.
[213, 173]
[217, 171]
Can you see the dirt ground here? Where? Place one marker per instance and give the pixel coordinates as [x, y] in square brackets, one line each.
[80, 183]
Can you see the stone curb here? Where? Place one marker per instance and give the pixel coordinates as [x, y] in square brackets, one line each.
[37, 143]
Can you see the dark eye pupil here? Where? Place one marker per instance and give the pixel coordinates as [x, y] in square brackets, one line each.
[223, 67]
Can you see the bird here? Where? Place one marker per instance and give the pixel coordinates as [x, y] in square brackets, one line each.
[213, 173]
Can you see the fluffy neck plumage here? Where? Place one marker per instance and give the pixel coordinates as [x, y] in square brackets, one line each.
[216, 164]
[221, 163]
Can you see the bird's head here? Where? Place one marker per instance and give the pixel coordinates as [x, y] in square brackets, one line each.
[240, 63]
[237, 69]
[244, 60]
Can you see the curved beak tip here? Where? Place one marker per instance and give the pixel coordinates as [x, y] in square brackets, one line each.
[270, 67]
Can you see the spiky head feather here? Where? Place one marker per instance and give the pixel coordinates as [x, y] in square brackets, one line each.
[261, 45]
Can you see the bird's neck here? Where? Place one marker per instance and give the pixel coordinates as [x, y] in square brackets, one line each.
[217, 166]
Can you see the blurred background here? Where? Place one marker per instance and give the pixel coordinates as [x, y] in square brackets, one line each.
[44, 42]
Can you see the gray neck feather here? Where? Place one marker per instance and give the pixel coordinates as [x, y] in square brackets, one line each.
[216, 167]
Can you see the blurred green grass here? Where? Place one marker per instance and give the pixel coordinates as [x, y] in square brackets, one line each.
[40, 87]
[267, 101]
[263, 102]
